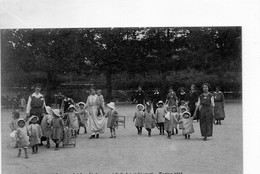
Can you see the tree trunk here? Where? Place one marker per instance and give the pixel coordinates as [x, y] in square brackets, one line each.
[48, 88]
[109, 84]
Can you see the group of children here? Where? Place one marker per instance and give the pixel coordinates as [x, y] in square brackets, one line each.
[166, 118]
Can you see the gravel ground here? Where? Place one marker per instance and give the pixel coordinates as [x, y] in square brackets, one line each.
[131, 153]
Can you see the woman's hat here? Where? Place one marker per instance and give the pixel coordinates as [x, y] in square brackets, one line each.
[71, 106]
[140, 105]
[48, 109]
[81, 103]
[111, 105]
[20, 119]
[56, 112]
[32, 117]
[186, 112]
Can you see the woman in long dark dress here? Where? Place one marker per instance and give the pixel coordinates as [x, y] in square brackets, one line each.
[193, 99]
[206, 107]
[219, 105]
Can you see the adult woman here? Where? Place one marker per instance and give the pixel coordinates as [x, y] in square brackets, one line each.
[36, 104]
[95, 124]
[206, 105]
[219, 105]
[193, 98]
[140, 98]
[155, 99]
[171, 98]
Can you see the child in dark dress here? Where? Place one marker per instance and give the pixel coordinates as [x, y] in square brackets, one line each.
[112, 120]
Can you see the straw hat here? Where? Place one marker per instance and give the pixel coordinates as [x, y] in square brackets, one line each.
[32, 117]
[140, 105]
[160, 102]
[186, 112]
[183, 107]
[71, 106]
[81, 103]
[19, 120]
[111, 105]
[56, 112]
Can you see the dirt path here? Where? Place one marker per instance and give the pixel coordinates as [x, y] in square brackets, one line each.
[130, 153]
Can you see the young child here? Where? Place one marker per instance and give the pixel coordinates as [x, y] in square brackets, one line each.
[169, 121]
[187, 122]
[57, 126]
[100, 102]
[22, 138]
[159, 116]
[13, 124]
[139, 118]
[112, 120]
[72, 119]
[35, 133]
[182, 109]
[46, 125]
[83, 116]
[149, 120]
[175, 121]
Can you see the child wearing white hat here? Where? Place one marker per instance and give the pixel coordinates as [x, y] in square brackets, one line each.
[139, 118]
[112, 120]
[72, 119]
[159, 116]
[149, 120]
[35, 133]
[187, 122]
[57, 126]
[83, 116]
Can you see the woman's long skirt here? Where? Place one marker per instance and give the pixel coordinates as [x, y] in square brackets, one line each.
[219, 111]
[206, 121]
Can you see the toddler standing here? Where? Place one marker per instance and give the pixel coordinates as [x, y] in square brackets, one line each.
[187, 122]
[83, 116]
[13, 124]
[159, 116]
[21, 137]
[112, 120]
[57, 127]
[35, 133]
[169, 121]
[175, 121]
[149, 120]
[72, 119]
[182, 109]
[139, 118]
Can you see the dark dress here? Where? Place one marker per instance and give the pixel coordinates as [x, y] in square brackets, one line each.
[219, 106]
[140, 97]
[67, 102]
[193, 98]
[155, 99]
[37, 108]
[206, 115]
[171, 97]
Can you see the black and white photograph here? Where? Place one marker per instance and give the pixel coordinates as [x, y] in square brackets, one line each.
[86, 93]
